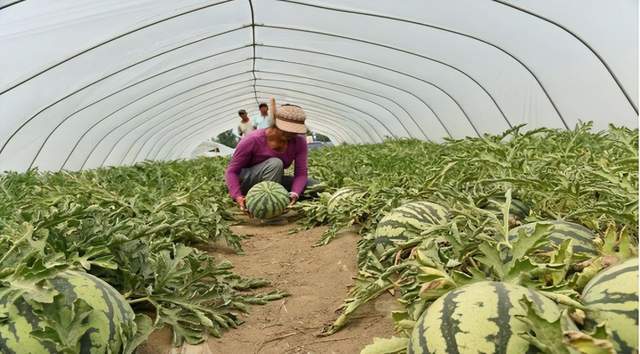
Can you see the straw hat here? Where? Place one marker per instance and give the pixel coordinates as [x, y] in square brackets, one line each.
[290, 118]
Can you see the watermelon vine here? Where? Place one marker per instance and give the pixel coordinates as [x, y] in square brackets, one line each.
[135, 228]
[534, 218]
[545, 209]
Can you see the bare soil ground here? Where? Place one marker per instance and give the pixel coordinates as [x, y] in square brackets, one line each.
[317, 279]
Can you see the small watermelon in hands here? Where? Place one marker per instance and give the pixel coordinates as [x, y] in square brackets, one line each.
[267, 200]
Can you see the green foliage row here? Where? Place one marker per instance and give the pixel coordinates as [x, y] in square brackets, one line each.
[135, 228]
[590, 178]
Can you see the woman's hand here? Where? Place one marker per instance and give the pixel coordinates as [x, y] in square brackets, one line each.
[242, 204]
[293, 197]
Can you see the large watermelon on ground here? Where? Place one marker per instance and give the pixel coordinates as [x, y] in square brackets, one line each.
[111, 321]
[562, 230]
[612, 299]
[267, 200]
[344, 195]
[478, 318]
[407, 221]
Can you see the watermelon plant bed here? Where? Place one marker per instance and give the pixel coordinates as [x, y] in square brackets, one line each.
[544, 210]
[138, 229]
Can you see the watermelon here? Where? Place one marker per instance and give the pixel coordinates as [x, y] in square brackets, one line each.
[345, 195]
[267, 200]
[398, 226]
[408, 220]
[478, 318]
[562, 230]
[518, 208]
[112, 319]
[313, 189]
[611, 298]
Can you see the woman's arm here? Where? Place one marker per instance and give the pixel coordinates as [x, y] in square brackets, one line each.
[300, 168]
[240, 159]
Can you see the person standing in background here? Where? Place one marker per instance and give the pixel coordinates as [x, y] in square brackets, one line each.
[246, 126]
[262, 120]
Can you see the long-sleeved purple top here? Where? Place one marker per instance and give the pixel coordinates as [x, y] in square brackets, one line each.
[253, 149]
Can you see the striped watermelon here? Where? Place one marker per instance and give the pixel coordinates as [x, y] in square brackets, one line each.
[612, 298]
[562, 230]
[267, 200]
[112, 319]
[518, 208]
[345, 195]
[478, 318]
[408, 220]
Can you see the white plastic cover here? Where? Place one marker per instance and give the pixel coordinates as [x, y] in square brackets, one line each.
[86, 84]
[211, 149]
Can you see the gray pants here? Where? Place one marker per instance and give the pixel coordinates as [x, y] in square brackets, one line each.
[268, 170]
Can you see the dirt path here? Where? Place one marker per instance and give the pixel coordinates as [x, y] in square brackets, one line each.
[317, 279]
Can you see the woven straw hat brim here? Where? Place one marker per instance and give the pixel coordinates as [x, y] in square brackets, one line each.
[291, 127]
[291, 119]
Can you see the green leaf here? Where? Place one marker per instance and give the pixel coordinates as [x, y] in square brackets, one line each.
[526, 243]
[545, 335]
[402, 320]
[393, 345]
[144, 327]
[505, 209]
[491, 258]
[520, 270]
[590, 271]
[436, 288]
[587, 344]
[63, 325]
[564, 256]
[563, 299]
[626, 247]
